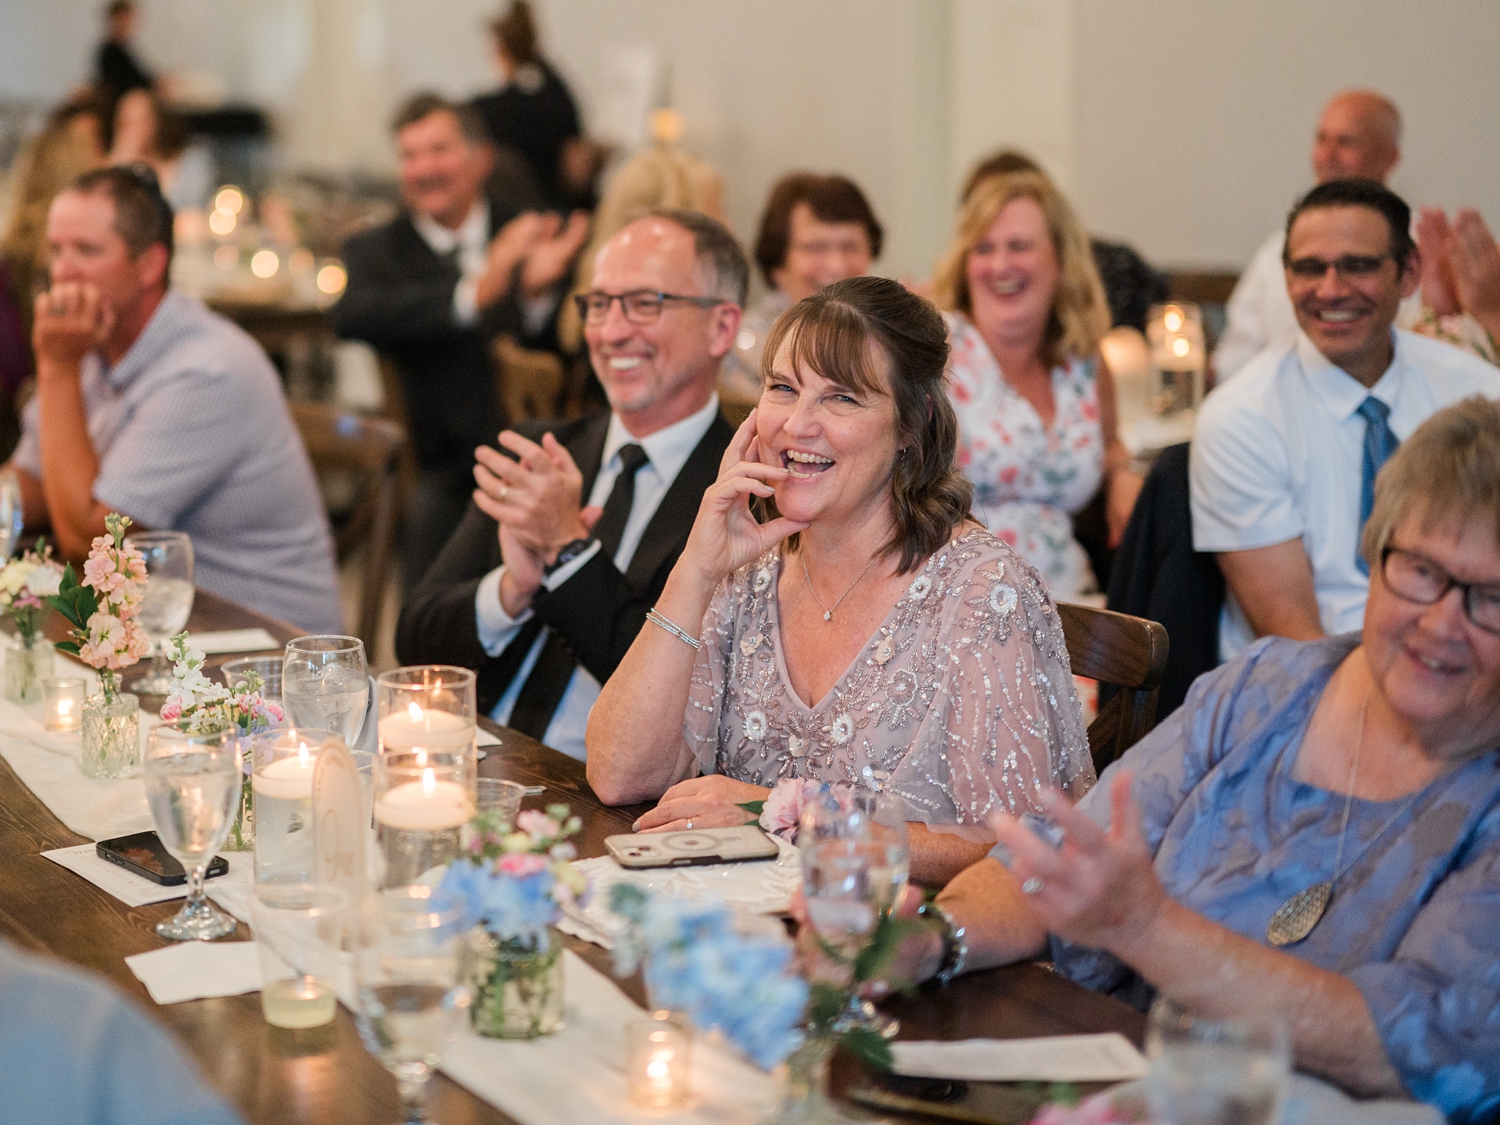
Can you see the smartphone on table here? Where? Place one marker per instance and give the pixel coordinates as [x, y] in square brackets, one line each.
[144, 854]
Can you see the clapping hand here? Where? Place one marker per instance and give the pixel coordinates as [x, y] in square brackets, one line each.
[71, 320]
[549, 258]
[725, 535]
[508, 249]
[1476, 267]
[1439, 293]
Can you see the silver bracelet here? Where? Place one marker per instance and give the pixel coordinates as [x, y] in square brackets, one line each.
[676, 630]
[955, 947]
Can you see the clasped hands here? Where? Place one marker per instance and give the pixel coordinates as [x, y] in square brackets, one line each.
[70, 320]
[1460, 265]
[544, 245]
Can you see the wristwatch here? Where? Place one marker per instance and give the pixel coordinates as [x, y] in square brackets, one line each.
[955, 948]
[569, 552]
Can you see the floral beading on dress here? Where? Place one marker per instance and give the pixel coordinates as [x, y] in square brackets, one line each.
[1027, 478]
[961, 701]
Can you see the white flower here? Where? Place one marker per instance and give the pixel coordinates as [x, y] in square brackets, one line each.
[919, 587]
[755, 726]
[750, 642]
[842, 730]
[13, 577]
[762, 580]
[1003, 598]
[44, 581]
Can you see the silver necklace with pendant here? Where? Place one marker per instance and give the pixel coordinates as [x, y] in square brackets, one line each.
[1304, 910]
[828, 609]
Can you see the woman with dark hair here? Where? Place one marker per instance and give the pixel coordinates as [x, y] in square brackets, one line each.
[533, 111]
[815, 230]
[868, 632]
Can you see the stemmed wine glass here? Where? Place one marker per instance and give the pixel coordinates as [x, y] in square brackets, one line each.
[855, 864]
[324, 684]
[12, 515]
[193, 788]
[408, 952]
[168, 600]
[1205, 1069]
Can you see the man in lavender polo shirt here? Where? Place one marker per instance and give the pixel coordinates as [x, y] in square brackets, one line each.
[150, 405]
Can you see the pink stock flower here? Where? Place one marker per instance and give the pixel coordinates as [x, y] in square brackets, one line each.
[171, 711]
[521, 864]
[782, 812]
[537, 824]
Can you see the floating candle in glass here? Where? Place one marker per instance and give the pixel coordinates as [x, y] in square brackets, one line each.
[62, 703]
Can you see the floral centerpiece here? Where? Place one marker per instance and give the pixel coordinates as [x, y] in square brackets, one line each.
[24, 583]
[514, 885]
[197, 704]
[106, 636]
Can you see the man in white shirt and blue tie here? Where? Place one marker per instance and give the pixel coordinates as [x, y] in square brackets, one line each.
[1284, 455]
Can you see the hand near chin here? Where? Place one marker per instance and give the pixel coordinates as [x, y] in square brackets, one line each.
[709, 802]
[726, 535]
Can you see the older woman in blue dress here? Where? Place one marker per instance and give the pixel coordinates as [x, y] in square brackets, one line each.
[1316, 832]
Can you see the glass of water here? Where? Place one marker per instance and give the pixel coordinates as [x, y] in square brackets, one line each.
[12, 515]
[1208, 1071]
[407, 964]
[193, 788]
[168, 600]
[324, 684]
[855, 864]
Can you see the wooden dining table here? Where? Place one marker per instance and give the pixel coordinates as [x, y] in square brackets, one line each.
[325, 1075]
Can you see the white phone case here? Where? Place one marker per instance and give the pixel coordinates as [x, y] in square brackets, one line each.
[691, 847]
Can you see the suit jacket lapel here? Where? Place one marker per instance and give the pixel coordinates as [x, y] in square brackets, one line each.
[414, 249]
[587, 449]
[679, 507]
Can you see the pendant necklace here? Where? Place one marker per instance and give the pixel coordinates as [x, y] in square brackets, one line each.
[828, 609]
[1299, 914]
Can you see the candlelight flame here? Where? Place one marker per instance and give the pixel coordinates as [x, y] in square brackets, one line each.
[64, 707]
[302, 755]
[415, 712]
[1172, 319]
[659, 1069]
[429, 783]
[1180, 346]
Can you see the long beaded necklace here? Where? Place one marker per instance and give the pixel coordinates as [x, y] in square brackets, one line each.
[1299, 914]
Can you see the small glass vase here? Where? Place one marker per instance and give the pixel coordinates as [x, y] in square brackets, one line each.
[241, 837]
[27, 664]
[804, 1093]
[517, 984]
[111, 735]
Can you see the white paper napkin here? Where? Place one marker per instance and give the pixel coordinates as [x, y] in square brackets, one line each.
[194, 970]
[1054, 1058]
[137, 890]
[233, 640]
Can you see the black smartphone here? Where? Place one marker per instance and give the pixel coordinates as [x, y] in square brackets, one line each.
[144, 854]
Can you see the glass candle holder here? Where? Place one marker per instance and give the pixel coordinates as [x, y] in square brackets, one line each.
[427, 705]
[423, 799]
[281, 781]
[25, 667]
[298, 932]
[62, 703]
[658, 1061]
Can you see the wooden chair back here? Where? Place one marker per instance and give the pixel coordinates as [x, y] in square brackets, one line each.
[1128, 652]
[369, 452]
[530, 384]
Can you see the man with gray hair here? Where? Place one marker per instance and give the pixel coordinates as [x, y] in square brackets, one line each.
[1359, 134]
[573, 531]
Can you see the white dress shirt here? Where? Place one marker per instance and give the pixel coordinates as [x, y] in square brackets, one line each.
[1278, 454]
[472, 241]
[668, 450]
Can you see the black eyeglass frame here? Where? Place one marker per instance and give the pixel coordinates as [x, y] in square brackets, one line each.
[581, 303]
[1449, 583]
[1345, 265]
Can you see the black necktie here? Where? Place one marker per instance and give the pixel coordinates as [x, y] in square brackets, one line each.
[549, 678]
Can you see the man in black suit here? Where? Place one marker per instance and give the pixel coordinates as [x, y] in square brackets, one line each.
[433, 287]
[572, 535]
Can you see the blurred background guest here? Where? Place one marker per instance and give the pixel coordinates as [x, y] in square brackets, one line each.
[815, 230]
[116, 69]
[1035, 400]
[1460, 281]
[1359, 134]
[533, 113]
[147, 132]
[1130, 284]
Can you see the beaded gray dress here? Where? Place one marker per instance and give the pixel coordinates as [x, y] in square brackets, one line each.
[961, 701]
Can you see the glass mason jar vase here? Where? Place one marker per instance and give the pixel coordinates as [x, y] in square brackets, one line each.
[111, 735]
[26, 666]
[517, 984]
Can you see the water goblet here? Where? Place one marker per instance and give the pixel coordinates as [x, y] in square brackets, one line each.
[324, 684]
[167, 602]
[408, 952]
[193, 788]
[1208, 1071]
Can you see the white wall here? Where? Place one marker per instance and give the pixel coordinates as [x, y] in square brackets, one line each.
[1180, 125]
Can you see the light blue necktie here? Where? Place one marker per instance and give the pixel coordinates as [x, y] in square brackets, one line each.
[1380, 443]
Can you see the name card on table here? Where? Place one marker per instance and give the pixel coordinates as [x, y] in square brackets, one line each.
[339, 822]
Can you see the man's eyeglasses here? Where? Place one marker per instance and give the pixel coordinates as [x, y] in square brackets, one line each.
[1350, 265]
[640, 306]
[1416, 578]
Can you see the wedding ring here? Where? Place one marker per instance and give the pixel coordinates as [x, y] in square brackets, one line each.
[690, 823]
[504, 492]
[1032, 885]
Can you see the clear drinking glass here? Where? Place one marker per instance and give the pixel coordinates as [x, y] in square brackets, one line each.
[324, 684]
[855, 863]
[193, 788]
[299, 930]
[12, 517]
[407, 964]
[268, 668]
[1215, 1071]
[168, 600]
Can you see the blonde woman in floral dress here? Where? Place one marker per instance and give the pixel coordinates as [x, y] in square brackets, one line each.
[869, 632]
[1035, 402]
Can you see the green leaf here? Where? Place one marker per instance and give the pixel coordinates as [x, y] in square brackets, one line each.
[69, 647]
[754, 808]
[877, 956]
[824, 1003]
[75, 601]
[628, 901]
[868, 1046]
